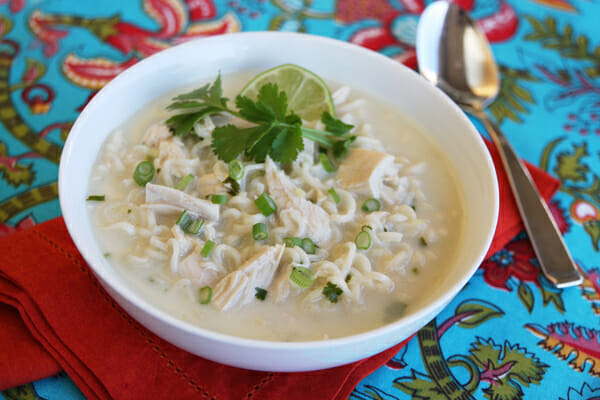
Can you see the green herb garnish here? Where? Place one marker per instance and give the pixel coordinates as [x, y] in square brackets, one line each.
[261, 293]
[96, 198]
[277, 132]
[332, 292]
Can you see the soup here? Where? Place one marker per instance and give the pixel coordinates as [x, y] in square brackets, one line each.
[307, 250]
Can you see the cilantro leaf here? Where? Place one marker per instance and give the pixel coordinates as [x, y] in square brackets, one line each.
[332, 292]
[215, 93]
[199, 93]
[341, 147]
[263, 141]
[229, 141]
[276, 101]
[253, 111]
[260, 294]
[335, 126]
[182, 124]
[287, 145]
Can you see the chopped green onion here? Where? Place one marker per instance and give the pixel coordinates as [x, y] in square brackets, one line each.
[208, 246]
[261, 293]
[347, 278]
[259, 231]
[236, 170]
[205, 294]
[292, 241]
[106, 254]
[194, 226]
[363, 240]
[334, 195]
[182, 184]
[423, 241]
[302, 277]
[309, 246]
[415, 271]
[265, 204]
[371, 205]
[365, 227]
[332, 292]
[144, 172]
[129, 211]
[326, 163]
[184, 219]
[219, 198]
[96, 198]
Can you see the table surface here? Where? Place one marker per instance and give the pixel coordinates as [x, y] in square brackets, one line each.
[508, 334]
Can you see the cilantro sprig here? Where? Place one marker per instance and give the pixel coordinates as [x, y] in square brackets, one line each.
[276, 131]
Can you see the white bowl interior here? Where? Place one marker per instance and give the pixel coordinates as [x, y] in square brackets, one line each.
[368, 71]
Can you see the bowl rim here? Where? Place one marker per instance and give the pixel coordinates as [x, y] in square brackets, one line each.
[130, 295]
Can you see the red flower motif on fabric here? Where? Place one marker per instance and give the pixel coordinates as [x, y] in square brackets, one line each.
[559, 216]
[25, 223]
[516, 259]
[395, 36]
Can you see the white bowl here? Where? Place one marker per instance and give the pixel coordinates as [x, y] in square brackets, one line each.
[371, 72]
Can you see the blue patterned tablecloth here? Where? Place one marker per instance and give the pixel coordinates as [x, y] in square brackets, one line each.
[508, 334]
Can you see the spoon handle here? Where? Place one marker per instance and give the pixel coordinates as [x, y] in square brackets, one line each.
[549, 247]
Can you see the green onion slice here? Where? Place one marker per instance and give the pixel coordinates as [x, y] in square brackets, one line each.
[205, 294]
[182, 184]
[184, 219]
[259, 231]
[365, 227]
[265, 204]
[261, 293]
[302, 277]
[326, 163]
[208, 246]
[309, 246]
[423, 241]
[334, 195]
[363, 240]
[144, 172]
[96, 198]
[194, 226]
[219, 198]
[236, 170]
[292, 241]
[371, 205]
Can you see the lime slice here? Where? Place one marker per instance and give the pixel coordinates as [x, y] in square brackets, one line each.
[308, 96]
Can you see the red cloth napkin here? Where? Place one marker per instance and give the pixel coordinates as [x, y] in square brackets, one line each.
[67, 321]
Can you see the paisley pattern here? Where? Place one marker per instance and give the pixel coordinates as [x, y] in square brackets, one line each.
[509, 334]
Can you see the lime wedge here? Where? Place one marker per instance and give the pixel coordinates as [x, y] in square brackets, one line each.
[308, 96]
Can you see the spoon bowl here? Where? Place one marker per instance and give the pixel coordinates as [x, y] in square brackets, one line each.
[456, 56]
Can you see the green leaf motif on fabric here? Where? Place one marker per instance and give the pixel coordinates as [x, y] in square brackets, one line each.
[565, 41]
[476, 313]
[526, 296]
[592, 228]
[505, 368]
[513, 96]
[12, 172]
[570, 165]
[419, 386]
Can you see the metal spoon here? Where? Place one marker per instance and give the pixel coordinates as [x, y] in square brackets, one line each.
[455, 55]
